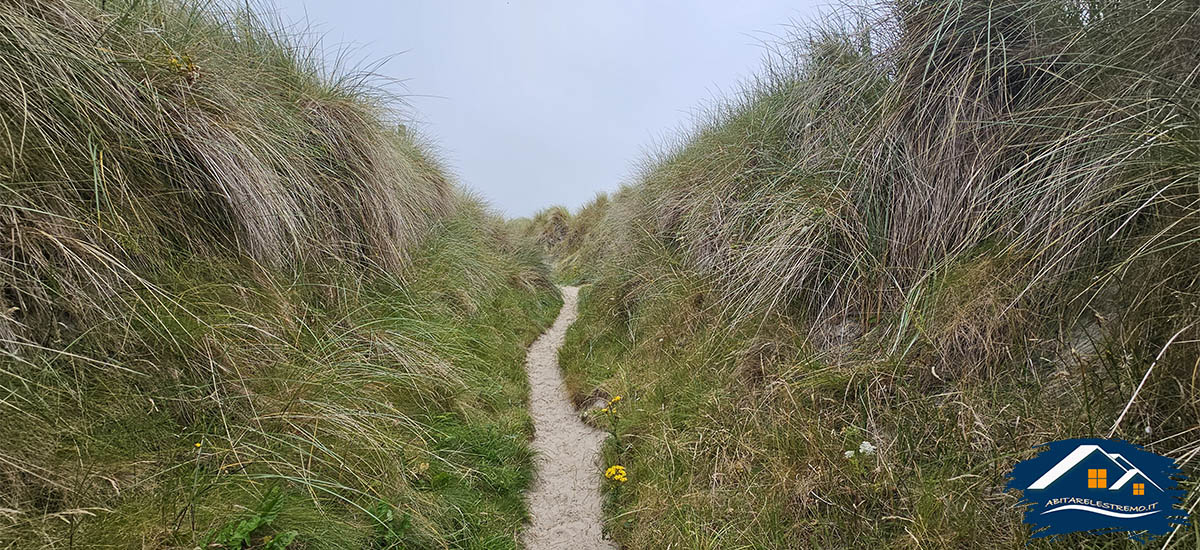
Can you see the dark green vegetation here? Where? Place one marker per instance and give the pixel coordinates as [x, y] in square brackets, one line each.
[238, 306]
[951, 230]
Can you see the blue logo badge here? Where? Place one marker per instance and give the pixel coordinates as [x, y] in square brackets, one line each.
[1101, 485]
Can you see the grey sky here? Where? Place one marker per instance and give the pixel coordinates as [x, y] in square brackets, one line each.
[534, 103]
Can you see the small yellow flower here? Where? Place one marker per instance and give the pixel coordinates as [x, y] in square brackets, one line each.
[199, 444]
[604, 410]
[184, 66]
[615, 399]
[616, 472]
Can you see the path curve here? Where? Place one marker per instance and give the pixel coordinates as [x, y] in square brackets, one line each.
[565, 499]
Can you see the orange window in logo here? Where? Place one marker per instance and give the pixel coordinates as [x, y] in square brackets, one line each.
[1097, 479]
[1139, 488]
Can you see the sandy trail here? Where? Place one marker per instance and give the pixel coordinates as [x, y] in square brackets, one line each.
[565, 499]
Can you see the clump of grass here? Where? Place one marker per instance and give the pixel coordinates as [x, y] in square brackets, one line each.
[241, 304]
[548, 227]
[952, 231]
[142, 129]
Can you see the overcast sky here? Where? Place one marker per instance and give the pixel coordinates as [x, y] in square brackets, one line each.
[534, 103]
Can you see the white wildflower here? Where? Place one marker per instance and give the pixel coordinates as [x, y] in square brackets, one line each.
[866, 448]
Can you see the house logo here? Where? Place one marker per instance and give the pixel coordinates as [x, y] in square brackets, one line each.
[1101, 485]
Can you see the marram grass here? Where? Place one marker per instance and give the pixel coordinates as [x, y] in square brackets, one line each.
[942, 231]
[240, 305]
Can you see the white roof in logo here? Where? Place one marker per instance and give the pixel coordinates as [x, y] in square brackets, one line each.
[1083, 451]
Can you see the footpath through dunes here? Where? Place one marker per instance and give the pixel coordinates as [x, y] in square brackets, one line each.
[565, 499]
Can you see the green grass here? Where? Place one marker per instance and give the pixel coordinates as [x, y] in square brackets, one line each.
[242, 304]
[408, 398]
[736, 439]
[940, 228]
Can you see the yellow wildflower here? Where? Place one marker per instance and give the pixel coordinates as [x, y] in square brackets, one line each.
[183, 65]
[198, 444]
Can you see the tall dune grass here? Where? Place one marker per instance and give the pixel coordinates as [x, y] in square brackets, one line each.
[953, 229]
[242, 306]
[153, 126]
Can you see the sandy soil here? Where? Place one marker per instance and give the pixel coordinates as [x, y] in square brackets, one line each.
[565, 499]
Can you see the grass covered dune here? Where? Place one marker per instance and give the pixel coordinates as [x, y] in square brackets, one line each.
[950, 230]
[240, 305]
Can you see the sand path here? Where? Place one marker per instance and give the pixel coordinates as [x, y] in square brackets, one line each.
[565, 499]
